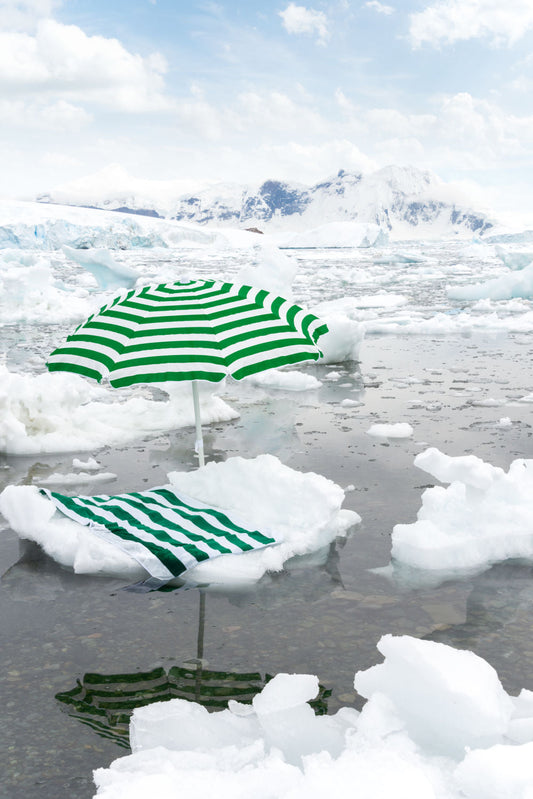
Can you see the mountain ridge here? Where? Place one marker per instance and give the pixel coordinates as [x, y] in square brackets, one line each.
[401, 200]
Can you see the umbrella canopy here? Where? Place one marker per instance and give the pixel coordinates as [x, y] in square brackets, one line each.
[189, 330]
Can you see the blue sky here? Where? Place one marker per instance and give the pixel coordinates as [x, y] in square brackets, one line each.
[245, 91]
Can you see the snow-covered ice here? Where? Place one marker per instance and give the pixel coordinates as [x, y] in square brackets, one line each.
[481, 517]
[437, 723]
[261, 493]
[62, 412]
[395, 430]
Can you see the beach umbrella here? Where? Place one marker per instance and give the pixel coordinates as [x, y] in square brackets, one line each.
[197, 330]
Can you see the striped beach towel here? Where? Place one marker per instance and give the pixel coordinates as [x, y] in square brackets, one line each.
[165, 532]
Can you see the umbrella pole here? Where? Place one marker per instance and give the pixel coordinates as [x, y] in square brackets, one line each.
[200, 647]
[198, 421]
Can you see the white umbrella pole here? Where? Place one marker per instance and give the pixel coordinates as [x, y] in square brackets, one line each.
[198, 421]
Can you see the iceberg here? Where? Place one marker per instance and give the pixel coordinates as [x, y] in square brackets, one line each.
[107, 272]
[514, 260]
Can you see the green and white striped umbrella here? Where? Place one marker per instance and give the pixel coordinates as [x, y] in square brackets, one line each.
[189, 330]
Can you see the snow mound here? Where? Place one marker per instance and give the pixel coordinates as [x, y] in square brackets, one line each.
[482, 517]
[304, 508]
[435, 724]
[62, 412]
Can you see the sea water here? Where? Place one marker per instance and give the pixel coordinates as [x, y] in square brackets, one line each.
[425, 360]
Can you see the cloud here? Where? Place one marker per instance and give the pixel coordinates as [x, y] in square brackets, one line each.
[63, 61]
[58, 115]
[380, 7]
[306, 163]
[448, 21]
[24, 15]
[299, 19]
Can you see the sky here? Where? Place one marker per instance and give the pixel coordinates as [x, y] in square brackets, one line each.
[245, 91]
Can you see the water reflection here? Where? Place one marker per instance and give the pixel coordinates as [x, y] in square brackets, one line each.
[105, 702]
[497, 597]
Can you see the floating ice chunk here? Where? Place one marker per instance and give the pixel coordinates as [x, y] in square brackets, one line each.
[468, 469]
[482, 517]
[30, 293]
[260, 493]
[501, 772]
[398, 258]
[430, 709]
[505, 421]
[61, 412]
[285, 380]
[99, 262]
[90, 465]
[34, 518]
[490, 402]
[514, 260]
[521, 725]
[448, 699]
[343, 340]
[515, 284]
[271, 269]
[284, 692]
[76, 478]
[398, 430]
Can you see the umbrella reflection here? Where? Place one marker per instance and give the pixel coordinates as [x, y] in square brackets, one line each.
[105, 702]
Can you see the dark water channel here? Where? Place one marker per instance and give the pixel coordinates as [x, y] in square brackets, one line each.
[323, 617]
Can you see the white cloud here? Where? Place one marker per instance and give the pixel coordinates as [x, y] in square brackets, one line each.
[307, 163]
[462, 133]
[299, 19]
[380, 7]
[279, 113]
[448, 21]
[64, 61]
[58, 115]
[59, 160]
[24, 15]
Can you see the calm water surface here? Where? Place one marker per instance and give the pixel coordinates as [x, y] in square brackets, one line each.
[323, 617]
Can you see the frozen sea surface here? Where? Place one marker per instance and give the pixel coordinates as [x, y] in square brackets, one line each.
[451, 369]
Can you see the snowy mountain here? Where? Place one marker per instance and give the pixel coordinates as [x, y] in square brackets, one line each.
[404, 201]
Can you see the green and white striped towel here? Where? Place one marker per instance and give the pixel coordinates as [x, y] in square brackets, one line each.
[160, 529]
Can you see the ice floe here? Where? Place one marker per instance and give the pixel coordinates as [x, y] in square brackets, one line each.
[481, 517]
[437, 723]
[302, 507]
[62, 412]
